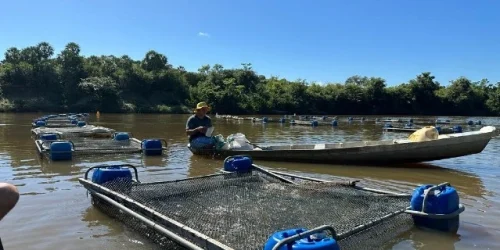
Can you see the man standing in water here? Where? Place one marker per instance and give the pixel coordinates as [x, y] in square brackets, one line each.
[197, 126]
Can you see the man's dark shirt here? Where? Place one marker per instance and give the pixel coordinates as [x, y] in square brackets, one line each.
[194, 122]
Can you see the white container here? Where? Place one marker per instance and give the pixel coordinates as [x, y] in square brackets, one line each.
[209, 131]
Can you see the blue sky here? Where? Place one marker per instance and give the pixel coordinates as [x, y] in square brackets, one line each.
[320, 40]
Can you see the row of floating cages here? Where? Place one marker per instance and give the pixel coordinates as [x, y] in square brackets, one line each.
[422, 121]
[53, 147]
[61, 120]
[245, 206]
[323, 121]
[409, 127]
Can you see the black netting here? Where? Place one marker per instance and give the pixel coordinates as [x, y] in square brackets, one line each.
[84, 146]
[243, 210]
[71, 132]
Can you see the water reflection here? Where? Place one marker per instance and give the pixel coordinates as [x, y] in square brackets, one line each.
[55, 213]
[425, 240]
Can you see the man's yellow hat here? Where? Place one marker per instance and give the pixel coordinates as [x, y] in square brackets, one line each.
[201, 105]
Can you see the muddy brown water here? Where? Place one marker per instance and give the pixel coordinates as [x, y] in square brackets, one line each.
[54, 211]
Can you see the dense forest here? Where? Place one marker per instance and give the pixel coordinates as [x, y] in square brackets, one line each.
[36, 79]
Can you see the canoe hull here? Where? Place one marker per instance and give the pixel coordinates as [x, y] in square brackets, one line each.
[373, 155]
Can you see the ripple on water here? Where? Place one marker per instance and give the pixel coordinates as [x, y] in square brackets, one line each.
[54, 211]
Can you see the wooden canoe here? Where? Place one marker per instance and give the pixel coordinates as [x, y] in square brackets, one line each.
[370, 152]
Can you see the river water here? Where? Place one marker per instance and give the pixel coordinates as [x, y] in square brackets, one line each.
[54, 211]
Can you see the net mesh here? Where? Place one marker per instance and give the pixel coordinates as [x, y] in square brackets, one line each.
[242, 211]
[84, 146]
[71, 132]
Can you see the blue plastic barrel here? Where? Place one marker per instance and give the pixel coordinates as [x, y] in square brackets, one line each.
[61, 151]
[470, 123]
[48, 137]
[40, 123]
[317, 242]
[152, 147]
[457, 129]
[103, 175]
[335, 123]
[239, 163]
[314, 123]
[81, 123]
[121, 136]
[445, 200]
[438, 128]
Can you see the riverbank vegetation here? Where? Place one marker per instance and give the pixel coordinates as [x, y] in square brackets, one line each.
[35, 78]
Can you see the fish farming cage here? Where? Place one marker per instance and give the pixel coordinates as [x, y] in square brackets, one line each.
[73, 132]
[61, 120]
[121, 143]
[249, 207]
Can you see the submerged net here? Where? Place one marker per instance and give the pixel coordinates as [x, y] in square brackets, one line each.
[243, 211]
[69, 132]
[100, 146]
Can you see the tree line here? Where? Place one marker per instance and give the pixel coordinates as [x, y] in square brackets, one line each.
[35, 79]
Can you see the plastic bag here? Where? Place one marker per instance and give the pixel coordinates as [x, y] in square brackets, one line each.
[424, 134]
[238, 141]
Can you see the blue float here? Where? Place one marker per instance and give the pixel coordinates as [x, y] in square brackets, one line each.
[81, 123]
[443, 200]
[48, 137]
[438, 128]
[40, 123]
[152, 147]
[74, 122]
[314, 123]
[335, 123]
[121, 136]
[312, 242]
[238, 163]
[264, 120]
[470, 123]
[457, 129]
[103, 175]
[387, 125]
[61, 151]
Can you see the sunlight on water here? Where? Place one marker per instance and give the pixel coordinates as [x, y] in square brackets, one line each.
[54, 211]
